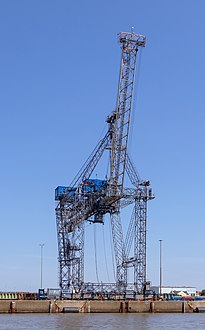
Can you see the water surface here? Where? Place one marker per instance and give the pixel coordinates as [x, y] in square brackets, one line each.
[102, 321]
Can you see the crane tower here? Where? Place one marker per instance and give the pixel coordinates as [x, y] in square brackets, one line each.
[89, 200]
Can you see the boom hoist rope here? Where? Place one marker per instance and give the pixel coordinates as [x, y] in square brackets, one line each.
[95, 250]
[105, 255]
[112, 252]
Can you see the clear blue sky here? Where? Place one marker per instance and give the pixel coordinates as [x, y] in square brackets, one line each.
[59, 64]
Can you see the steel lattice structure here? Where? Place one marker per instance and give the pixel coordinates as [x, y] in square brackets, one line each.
[89, 199]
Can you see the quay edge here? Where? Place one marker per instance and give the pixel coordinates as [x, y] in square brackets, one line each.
[93, 306]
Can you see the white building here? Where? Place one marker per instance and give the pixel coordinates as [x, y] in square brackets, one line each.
[190, 291]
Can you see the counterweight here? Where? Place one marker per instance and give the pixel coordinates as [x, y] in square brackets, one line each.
[88, 199]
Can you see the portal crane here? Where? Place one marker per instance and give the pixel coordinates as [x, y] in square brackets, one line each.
[87, 199]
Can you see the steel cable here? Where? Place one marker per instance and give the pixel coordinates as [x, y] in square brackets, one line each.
[112, 248]
[95, 248]
[105, 255]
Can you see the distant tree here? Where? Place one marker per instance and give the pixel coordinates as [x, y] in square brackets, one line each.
[202, 292]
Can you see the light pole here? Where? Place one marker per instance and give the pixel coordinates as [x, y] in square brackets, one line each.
[41, 245]
[160, 266]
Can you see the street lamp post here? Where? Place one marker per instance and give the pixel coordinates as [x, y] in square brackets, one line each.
[41, 245]
[160, 267]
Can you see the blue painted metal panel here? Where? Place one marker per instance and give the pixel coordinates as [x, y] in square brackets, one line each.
[62, 191]
[92, 185]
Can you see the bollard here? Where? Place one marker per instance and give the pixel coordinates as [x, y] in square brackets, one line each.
[13, 307]
[122, 307]
[50, 306]
[152, 307]
[183, 307]
[88, 304]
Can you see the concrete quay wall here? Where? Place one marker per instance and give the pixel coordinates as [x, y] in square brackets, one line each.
[5, 306]
[96, 306]
[108, 306]
[168, 307]
[24, 306]
[138, 307]
[31, 306]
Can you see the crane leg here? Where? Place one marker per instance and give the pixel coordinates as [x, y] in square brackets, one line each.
[140, 245]
[119, 249]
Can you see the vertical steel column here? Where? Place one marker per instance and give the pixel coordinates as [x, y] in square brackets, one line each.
[140, 245]
[71, 250]
[119, 249]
